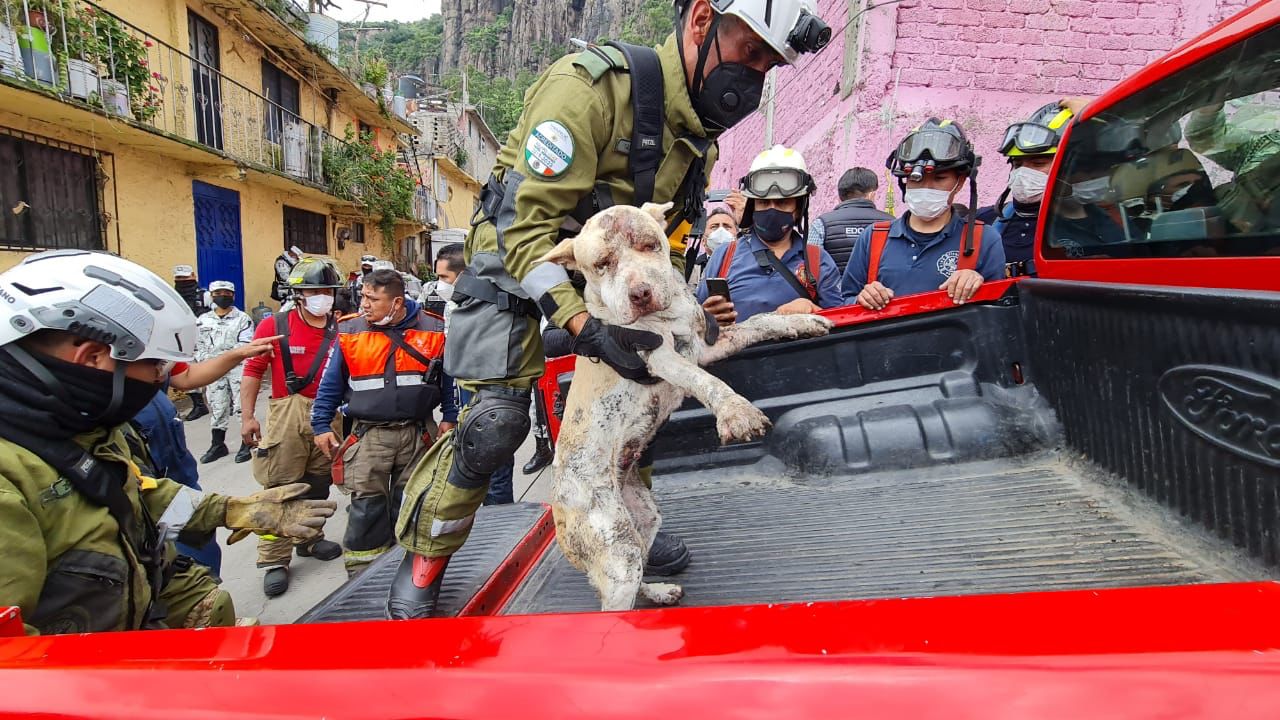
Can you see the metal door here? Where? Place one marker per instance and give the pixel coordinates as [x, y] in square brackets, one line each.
[206, 80]
[218, 245]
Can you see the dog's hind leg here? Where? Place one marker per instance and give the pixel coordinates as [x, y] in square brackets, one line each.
[601, 541]
[644, 512]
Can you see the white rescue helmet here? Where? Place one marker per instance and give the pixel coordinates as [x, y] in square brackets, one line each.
[217, 285]
[97, 296]
[790, 27]
[779, 172]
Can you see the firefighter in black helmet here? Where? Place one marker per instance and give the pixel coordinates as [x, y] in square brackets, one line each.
[931, 247]
[286, 452]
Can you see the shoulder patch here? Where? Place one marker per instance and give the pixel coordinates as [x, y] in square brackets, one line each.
[600, 59]
[548, 151]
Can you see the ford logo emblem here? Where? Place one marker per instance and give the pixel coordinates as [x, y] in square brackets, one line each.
[1233, 409]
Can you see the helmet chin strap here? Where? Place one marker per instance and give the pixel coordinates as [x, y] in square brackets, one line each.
[117, 391]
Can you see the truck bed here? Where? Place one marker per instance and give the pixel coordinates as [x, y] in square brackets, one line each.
[982, 527]
[1035, 442]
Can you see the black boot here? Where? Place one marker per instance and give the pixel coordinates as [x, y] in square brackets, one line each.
[218, 449]
[667, 556]
[275, 582]
[416, 587]
[244, 453]
[542, 455]
[198, 407]
[321, 550]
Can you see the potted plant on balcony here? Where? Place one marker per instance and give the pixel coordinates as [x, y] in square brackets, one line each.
[33, 40]
[131, 87]
[375, 75]
[81, 51]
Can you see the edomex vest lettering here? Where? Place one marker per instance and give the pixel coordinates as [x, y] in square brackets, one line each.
[393, 374]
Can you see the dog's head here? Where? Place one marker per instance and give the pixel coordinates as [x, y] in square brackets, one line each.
[624, 255]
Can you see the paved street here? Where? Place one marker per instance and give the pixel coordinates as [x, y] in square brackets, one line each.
[310, 580]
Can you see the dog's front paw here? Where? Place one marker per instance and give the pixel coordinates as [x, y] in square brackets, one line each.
[661, 593]
[740, 421]
[807, 326]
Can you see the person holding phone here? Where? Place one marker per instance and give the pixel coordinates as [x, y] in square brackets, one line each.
[771, 267]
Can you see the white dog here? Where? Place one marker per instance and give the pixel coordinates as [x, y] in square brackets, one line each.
[606, 518]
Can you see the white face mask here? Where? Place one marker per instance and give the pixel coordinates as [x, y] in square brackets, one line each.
[444, 290]
[387, 319]
[927, 203]
[718, 237]
[1091, 191]
[1027, 185]
[319, 304]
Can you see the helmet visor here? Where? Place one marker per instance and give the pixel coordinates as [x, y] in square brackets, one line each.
[941, 147]
[1029, 138]
[775, 183]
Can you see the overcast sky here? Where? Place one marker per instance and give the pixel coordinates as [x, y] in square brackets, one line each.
[351, 10]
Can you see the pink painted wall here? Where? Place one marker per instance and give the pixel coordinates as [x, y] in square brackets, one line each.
[983, 63]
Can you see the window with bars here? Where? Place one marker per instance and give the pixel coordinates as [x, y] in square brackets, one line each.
[357, 232]
[50, 194]
[307, 230]
[283, 110]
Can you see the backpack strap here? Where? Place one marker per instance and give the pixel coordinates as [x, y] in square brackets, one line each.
[648, 107]
[723, 271]
[970, 261]
[879, 238]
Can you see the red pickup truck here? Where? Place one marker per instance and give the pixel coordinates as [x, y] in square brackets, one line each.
[1061, 500]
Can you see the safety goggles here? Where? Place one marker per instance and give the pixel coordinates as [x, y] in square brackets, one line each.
[1030, 138]
[941, 147]
[775, 182]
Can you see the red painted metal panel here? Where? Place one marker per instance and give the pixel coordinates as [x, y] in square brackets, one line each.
[498, 589]
[1206, 651]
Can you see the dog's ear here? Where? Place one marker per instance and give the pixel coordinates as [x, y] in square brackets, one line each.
[657, 212]
[561, 254]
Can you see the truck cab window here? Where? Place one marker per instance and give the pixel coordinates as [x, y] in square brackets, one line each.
[1189, 167]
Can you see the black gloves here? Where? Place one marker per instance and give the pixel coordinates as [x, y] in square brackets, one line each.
[617, 346]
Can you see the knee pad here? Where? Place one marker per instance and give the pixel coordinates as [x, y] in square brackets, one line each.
[494, 429]
[368, 524]
[319, 486]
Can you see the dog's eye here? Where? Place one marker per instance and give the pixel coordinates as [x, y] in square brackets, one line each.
[604, 264]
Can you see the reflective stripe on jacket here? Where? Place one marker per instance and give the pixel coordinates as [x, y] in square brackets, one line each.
[384, 382]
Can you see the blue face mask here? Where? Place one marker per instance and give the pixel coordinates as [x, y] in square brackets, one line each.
[772, 225]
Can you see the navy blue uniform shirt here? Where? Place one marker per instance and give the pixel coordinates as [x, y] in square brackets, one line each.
[754, 289]
[913, 263]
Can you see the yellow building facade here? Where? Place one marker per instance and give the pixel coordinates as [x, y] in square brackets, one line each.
[170, 132]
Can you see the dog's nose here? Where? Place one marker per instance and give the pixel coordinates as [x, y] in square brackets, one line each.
[641, 294]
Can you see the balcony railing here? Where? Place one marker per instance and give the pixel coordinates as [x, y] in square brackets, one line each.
[87, 55]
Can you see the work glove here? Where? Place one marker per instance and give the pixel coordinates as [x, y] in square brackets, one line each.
[617, 347]
[275, 511]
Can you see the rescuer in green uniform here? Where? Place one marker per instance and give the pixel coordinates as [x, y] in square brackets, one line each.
[86, 340]
[611, 125]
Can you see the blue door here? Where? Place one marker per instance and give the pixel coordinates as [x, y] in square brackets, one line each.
[218, 246]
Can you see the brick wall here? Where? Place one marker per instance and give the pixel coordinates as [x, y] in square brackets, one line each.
[983, 63]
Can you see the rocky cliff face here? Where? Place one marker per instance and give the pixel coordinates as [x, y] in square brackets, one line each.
[505, 37]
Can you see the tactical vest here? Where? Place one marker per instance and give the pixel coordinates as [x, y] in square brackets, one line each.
[844, 226]
[393, 374]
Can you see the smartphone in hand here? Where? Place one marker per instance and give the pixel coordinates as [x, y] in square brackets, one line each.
[718, 286]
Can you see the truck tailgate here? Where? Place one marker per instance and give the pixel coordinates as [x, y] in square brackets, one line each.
[980, 527]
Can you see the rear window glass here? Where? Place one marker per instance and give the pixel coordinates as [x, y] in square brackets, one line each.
[1189, 167]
